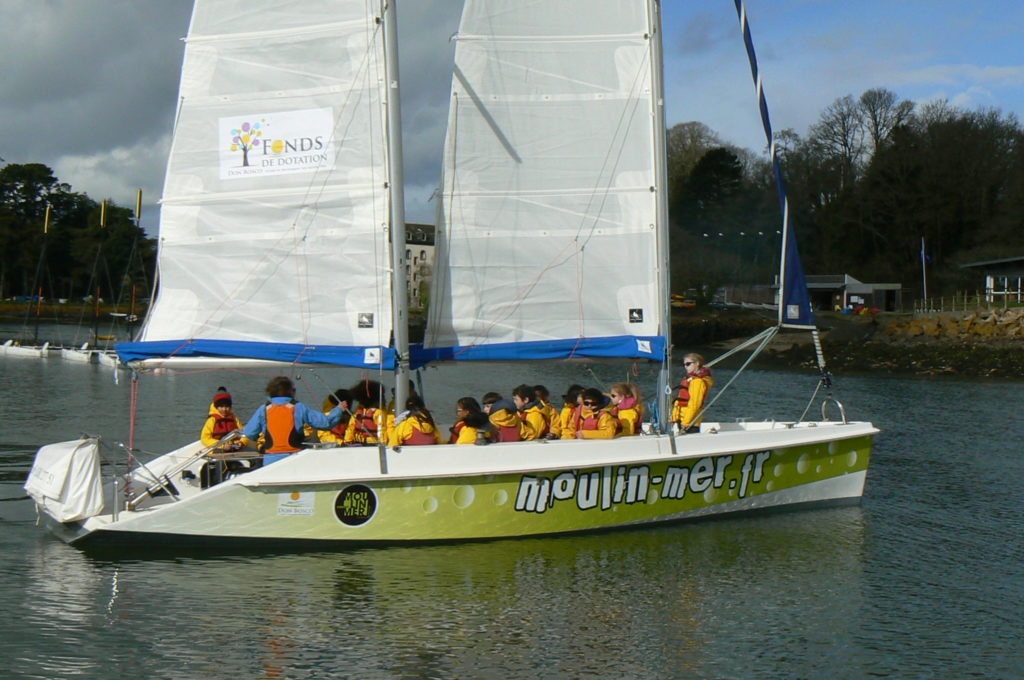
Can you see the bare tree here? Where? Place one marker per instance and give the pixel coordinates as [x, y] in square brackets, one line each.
[881, 111]
[839, 134]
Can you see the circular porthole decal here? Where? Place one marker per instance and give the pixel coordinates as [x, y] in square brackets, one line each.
[355, 505]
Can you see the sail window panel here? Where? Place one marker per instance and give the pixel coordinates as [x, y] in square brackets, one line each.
[557, 148]
[225, 17]
[262, 68]
[544, 18]
[586, 70]
[266, 272]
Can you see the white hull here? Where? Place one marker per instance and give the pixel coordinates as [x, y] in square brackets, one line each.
[446, 492]
[108, 359]
[79, 356]
[11, 350]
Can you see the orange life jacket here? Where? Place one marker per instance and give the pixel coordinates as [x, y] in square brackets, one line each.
[282, 437]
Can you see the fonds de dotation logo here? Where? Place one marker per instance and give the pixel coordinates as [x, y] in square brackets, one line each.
[276, 143]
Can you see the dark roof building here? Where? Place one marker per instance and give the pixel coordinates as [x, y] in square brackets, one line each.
[1004, 278]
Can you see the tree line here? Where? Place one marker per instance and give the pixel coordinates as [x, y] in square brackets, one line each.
[73, 256]
[871, 178]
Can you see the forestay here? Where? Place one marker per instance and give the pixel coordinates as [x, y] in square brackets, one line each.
[548, 228]
[273, 230]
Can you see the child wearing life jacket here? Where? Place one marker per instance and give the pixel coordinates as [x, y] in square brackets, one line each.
[464, 408]
[282, 419]
[627, 408]
[504, 416]
[594, 420]
[417, 428]
[220, 421]
[567, 415]
[340, 398]
[550, 412]
[372, 422]
[693, 389]
[531, 411]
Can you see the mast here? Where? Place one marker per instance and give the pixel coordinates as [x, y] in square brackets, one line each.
[661, 199]
[399, 284]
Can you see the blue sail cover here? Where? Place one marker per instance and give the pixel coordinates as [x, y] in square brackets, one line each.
[358, 357]
[794, 300]
[625, 346]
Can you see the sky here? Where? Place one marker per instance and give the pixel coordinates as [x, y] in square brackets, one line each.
[90, 86]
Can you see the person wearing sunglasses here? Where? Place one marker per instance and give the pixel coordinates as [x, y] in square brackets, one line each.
[693, 389]
[593, 420]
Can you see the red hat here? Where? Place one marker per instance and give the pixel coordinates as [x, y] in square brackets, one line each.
[222, 396]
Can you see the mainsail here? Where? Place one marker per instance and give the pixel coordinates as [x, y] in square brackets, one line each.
[550, 234]
[274, 219]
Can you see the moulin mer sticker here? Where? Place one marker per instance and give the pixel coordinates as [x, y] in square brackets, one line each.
[355, 505]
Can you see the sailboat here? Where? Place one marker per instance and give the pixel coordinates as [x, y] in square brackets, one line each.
[552, 245]
[13, 348]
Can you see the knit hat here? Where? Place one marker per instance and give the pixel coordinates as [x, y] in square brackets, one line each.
[222, 397]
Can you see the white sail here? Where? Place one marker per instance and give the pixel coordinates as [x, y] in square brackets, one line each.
[548, 220]
[273, 230]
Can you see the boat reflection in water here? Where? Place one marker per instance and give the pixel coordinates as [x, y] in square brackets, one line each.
[629, 603]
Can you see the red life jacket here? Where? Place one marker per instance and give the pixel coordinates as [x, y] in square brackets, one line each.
[455, 430]
[419, 438]
[282, 437]
[508, 433]
[339, 429]
[222, 426]
[683, 398]
[588, 422]
[366, 424]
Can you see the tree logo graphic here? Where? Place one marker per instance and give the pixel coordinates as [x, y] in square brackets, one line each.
[245, 138]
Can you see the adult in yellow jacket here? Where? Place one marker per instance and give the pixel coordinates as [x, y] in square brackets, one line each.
[693, 390]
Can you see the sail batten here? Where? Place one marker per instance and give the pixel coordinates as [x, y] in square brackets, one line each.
[547, 241]
[276, 200]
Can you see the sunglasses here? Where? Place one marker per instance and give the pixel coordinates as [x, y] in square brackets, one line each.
[590, 403]
[689, 363]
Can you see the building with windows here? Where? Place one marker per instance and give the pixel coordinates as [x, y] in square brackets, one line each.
[1004, 279]
[832, 291]
[419, 261]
